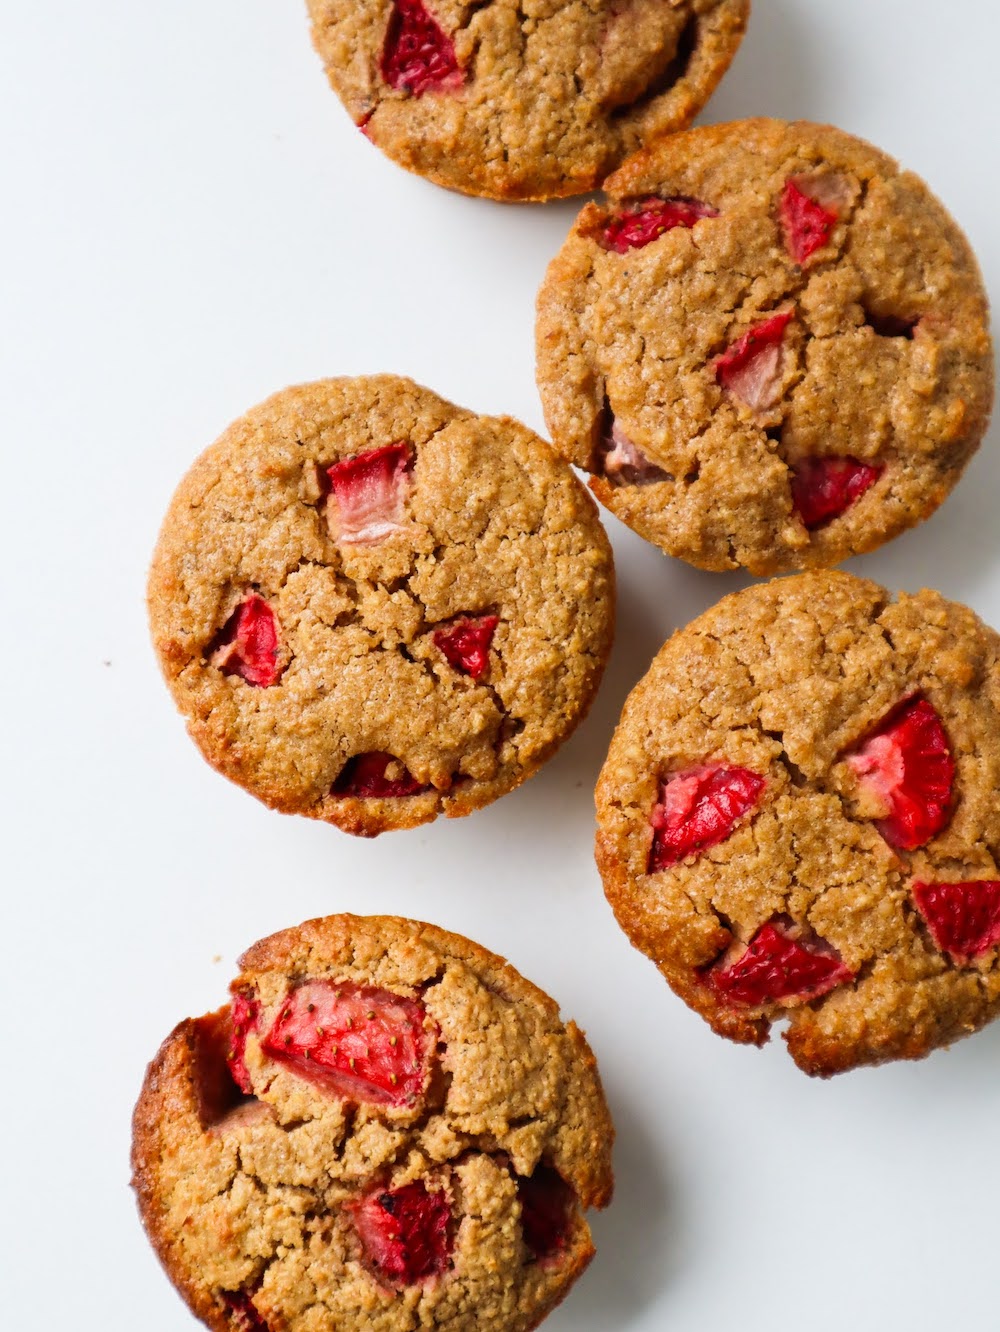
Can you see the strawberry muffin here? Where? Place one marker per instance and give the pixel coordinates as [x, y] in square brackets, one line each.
[768, 345]
[387, 1128]
[798, 819]
[516, 103]
[373, 607]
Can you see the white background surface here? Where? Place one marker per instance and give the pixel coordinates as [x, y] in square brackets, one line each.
[190, 222]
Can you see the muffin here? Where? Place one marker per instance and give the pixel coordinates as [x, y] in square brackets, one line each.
[373, 607]
[387, 1128]
[511, 103]
[798, 820]
[768, 345]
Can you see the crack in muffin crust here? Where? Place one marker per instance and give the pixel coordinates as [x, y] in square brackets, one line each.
[855, 743]
[523, 99]
[271, 1197]
[372, 606]
[787, 335]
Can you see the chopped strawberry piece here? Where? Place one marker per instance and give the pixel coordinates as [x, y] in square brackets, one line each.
[646, 220]
[699, 808]
[832, 190]
[466, 644]
[546, 1207]
[355, 1041]
[377, 776]
[418, 54]
[778, 965]
[370, 492]
[963, 918]
[806, 223]
[822, 488]
[406, 1233]
[751, 368]
[907, 763]
[621, 461]
[243, 1313]
[243, 1015]
[247, 645]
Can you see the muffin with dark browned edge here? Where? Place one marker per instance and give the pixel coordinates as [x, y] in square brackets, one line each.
[515, 103]
[798, 819]
[768, 345]
[387, 1129]
[373, 607]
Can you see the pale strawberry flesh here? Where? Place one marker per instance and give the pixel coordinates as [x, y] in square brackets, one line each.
[243, 1314]
[805, 222]
[963, 918]
[776, 967]
[354, 1041]
[418, 55]
[752, 368]
[698, 809]
[621, 461]
[376, 775]
[466, 644]
[647, 219]
[369, 493]
[243, 1015]
[546, 1211]
[406, 1233]
[906, 762]
[823, 488]
[247, 645]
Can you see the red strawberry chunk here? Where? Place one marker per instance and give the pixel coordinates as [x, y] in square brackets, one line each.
[647, 219]
[360, 1043]
[247, 645]
[466, 644]
[822, 488]
[624, 463]
[546, 1208]
[243, 1313]
[963, 918]
[778, 966]
[369, 491]
[376, 776]
[243, 1015]
[906, 762]
[700, 808]
[751, 369]
[805, 222]
[418, 54]
[406, 1233]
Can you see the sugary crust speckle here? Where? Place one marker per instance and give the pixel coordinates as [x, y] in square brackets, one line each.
[554, 96]
[494, 522]
[250, 1195]
[639, 333]
[785, 679]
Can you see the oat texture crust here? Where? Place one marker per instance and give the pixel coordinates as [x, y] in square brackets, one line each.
[788, 681]
[252, 1201]
[527, 101]
[435, 520]
[874, 352]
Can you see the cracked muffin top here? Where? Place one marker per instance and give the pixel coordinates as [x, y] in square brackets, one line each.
[373, 607]
[768, 345]
[798, 819]
[516, 100]
[388, 1128]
